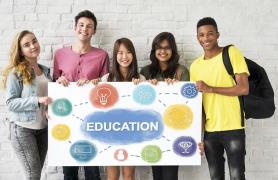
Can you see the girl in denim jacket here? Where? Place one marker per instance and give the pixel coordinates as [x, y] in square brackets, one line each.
[26, 85]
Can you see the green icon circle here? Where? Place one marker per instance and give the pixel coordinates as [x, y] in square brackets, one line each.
[151, 153]
[62, 107]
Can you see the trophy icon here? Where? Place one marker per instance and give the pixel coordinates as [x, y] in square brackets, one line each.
[185, 145]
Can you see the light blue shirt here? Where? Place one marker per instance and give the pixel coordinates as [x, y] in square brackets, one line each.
[22, 99]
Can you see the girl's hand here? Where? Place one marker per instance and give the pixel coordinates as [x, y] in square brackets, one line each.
[136, 81]
[170, 81]
[81, 82]
[62, 80]
[153, 81]
[45, 100]
[201, 147]
[95, 81]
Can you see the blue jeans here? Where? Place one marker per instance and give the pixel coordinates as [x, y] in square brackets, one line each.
[71, 172]
[233, 143]
[165, 172]
[30, 146]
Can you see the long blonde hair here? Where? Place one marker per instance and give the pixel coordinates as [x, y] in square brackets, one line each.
[17, 60]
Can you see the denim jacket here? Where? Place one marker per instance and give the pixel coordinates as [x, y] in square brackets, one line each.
[22, 99]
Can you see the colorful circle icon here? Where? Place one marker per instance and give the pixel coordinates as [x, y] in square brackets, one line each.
[144, 94]
[62, 107]
[60, 132]
[151, 154]
[83, 151]
[178, 116]
[120, 154]
[189, 90]
[104, 96]
[185, 146]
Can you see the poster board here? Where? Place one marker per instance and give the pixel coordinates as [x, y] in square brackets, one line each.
[119, 123]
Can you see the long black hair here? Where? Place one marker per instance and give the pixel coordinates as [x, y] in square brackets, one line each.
[173, 62]
[115, 74]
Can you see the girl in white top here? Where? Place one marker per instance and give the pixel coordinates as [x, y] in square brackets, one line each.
[26, 85]
[124, 69]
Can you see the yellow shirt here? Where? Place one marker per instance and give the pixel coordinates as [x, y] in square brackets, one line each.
[222, 112]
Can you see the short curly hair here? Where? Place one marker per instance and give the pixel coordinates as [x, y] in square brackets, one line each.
[207, 21]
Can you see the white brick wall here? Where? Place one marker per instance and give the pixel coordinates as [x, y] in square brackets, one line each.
[249, 24]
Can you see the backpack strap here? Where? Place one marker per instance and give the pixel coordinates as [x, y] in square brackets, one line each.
[227, 61]
[230, 70]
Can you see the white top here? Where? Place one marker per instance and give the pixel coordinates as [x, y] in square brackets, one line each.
[41, 82]
[105, 77]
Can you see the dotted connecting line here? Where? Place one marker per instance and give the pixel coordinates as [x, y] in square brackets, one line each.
[135, 156]
[162, 103]
[126, 95]
[166, 151]
[167, 93]
[81, 104]
[166, 138]
[105, 149]
[79, 118]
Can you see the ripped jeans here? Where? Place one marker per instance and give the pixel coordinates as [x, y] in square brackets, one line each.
[30, 146]
[233, 142]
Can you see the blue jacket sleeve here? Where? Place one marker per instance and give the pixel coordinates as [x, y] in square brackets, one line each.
[14, 101]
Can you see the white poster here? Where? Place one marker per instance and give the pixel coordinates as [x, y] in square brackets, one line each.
[120, 123]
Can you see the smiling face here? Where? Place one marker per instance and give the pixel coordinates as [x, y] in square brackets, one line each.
[29, 47]
[124, 57]
[207, 37]
[84, 29]
[164, 52]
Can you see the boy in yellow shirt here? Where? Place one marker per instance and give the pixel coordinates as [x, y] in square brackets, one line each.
[223, 128]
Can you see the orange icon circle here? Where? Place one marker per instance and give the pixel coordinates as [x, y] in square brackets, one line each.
[120, 154]
[104, 96]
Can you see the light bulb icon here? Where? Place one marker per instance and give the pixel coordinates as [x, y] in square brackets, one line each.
[103, 95]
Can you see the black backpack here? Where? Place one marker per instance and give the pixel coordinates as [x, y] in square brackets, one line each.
[259, 103]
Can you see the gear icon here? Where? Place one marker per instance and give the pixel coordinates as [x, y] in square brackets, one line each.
[189, 90]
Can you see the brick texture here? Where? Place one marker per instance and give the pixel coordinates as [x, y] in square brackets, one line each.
[249, 24]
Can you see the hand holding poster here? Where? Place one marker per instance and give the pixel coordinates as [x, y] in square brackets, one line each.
[124, 124]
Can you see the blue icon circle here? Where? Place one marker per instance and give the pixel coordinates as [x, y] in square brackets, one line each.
[83, 151]
[189, 90]
[184, 146]
[144, 94]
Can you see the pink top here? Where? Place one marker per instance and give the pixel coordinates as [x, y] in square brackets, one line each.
[75, 66]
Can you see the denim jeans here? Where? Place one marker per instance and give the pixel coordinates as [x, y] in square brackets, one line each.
[165, 172]
[233, 143]
[71, 172]
[30, 146]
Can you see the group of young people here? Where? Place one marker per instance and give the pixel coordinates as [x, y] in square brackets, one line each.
[26, 81]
